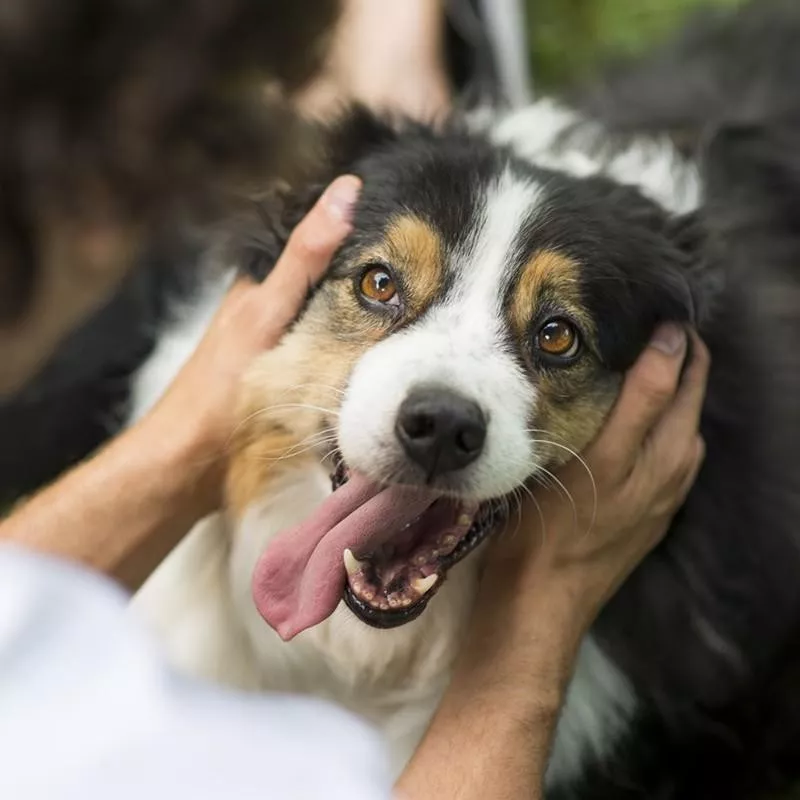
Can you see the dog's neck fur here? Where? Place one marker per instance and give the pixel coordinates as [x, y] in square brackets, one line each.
[200, 599]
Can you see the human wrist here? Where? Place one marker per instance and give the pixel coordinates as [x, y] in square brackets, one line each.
[519, 652]
[187, 457]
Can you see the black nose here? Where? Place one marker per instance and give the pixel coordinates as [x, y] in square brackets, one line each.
[440, 430]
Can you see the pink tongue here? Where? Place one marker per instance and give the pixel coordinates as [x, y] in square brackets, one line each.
[299, 580]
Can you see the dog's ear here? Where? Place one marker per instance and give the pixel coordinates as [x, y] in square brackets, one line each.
[654, 269]
[629, 309]
[358, 133]
[259, 235]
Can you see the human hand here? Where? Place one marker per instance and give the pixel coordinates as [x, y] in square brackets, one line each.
[197, 413]
[566, 557]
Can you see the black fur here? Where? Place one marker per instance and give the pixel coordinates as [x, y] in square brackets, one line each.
[80, 397]
[709, 627]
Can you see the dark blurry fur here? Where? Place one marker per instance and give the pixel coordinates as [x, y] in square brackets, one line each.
[726, 91]
[79, 398]
[136, 118]
[722, 68]
[728, 573]
[136, 106]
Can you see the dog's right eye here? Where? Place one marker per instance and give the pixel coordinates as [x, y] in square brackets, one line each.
[378, 285]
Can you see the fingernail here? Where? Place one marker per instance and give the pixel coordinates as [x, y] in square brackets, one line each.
[341, 196]
[669, 339]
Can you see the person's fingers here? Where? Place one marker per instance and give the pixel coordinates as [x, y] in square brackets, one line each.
[649, 387]
[678, 427]
[691, 468]
[308, 252]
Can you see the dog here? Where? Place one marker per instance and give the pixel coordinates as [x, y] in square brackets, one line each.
[504, 272]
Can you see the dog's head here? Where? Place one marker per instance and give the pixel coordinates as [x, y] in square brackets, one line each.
[472, 333]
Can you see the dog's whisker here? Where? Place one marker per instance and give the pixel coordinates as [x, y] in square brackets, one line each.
[306, 406]
[328, 454]
[310, 442]
[260, 412]
[324, 386]
[588, 470]
[562, 488]
[539, 511]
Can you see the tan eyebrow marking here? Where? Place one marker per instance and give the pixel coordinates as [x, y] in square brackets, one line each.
[548, 269]
[417, 251]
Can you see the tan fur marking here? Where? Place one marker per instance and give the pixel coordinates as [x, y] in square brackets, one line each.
[571, 405]
[256, 460]
[570, 425]
[292, 394]
[548, 271]
[416, 252]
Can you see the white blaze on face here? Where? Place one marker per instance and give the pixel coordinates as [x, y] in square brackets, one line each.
[460, 345]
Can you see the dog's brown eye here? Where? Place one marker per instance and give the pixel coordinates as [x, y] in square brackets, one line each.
[558, 338]
[377, 284]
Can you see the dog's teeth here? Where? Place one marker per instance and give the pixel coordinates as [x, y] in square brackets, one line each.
[424, 585]
[351, 563]
[464, 520]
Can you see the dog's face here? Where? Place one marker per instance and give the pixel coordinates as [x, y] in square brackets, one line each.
[472, 334]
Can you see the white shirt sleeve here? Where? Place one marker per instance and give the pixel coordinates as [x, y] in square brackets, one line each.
[88, 709]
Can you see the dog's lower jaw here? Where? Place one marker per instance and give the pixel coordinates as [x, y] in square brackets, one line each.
[355, 659]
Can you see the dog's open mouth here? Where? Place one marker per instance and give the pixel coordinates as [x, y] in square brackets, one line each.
[384, 549]
[392, 584]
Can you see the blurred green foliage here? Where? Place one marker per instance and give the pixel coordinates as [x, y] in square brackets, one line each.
[569, 38]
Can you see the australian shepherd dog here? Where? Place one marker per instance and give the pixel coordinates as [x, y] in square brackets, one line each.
[472, 334]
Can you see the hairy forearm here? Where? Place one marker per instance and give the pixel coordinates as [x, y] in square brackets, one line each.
[120, 512]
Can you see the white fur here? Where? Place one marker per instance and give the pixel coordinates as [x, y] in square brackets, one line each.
[542, 135]
[599, 706]
[199, 600]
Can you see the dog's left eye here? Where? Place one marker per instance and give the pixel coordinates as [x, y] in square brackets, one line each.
[558, 338]
[378, 285]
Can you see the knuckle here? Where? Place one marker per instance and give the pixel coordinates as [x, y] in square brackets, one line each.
[682, 463]
[658, 387]
[608, 466]
[697, 454]
[700, 448]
